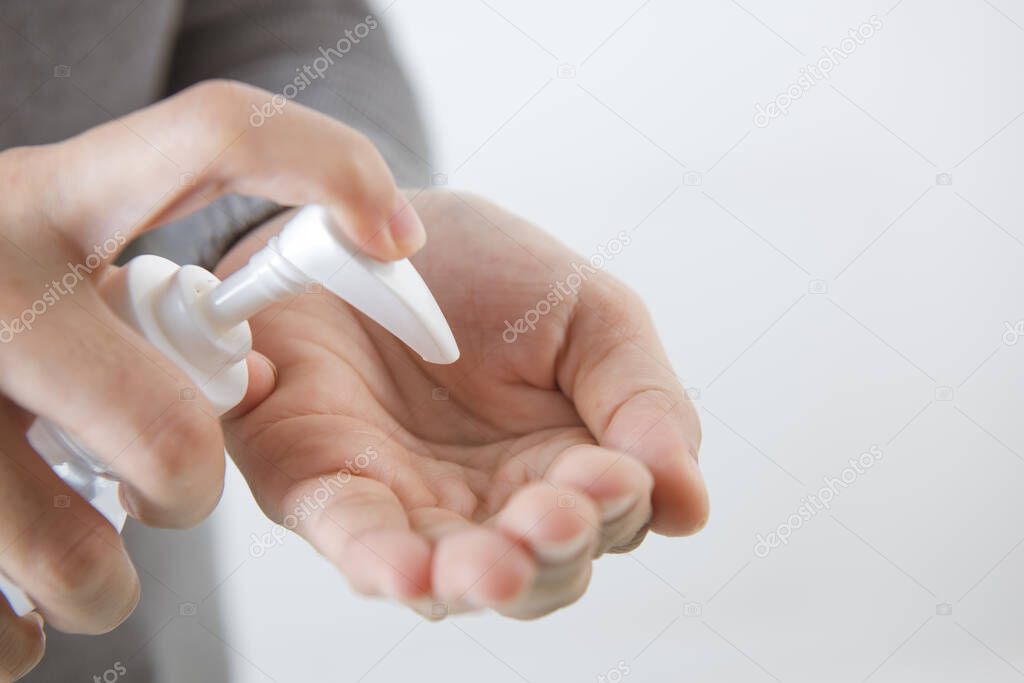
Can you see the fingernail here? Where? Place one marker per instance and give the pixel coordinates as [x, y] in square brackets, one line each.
[517, 573]
[271, 365]
[406, 227]
[617, 507]
[38, 618]
[127, 501]
[560, 552]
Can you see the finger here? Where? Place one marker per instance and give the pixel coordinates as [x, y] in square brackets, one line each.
[87, 372]
[432, 523]
[624, 389]
[321, 476]
[207, 135]
[360, 526]
[473, 567]
[58, 549]
[262, 379]
[618, 484]
[560, 527]
[22, 642]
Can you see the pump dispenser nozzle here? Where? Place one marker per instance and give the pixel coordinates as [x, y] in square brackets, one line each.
[311, 250]
[201, 325]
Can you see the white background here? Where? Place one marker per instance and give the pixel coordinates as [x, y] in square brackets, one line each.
[814, 284]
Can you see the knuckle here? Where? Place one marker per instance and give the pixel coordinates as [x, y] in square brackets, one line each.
[187, 445]
[657, 401]
[220, 107]
[620, 303]
[186, 454]
[361, 146]
[219, 93]
[175, 467]
[85, 568]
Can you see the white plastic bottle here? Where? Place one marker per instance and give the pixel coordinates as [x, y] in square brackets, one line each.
[201, 324]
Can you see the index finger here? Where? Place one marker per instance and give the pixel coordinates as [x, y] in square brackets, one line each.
[170, 159]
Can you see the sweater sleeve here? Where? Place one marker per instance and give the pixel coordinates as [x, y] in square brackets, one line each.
[331, 55]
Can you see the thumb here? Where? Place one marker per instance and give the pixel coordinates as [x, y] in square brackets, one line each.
[262, 380]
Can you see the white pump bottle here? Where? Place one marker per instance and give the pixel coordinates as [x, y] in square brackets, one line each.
[201, 325]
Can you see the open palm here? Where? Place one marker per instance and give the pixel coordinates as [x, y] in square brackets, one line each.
[494, 481]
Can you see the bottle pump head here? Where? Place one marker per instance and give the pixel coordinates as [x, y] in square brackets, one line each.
[311, 250]
[201, 323]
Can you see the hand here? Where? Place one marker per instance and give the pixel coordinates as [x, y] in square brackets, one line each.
[67, 210]
[490, 483]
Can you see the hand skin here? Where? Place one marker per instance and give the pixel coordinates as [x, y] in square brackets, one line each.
[69, 358]
[544, 452]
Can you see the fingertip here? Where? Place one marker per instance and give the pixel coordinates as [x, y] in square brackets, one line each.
[392, 232]
[410, 576]
[262, 380]
[393, 563]
[481, 568]
[614, 480]
[665, 440]
[558, 525]
[406, 228]
[681, 503]
[167, 509]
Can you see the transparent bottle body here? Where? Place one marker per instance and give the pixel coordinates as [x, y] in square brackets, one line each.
[80, 470]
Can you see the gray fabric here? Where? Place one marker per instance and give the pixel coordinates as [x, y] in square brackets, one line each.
[267, 44]
[67, 65]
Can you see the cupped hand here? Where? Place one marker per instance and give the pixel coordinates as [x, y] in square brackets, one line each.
[561, 433]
